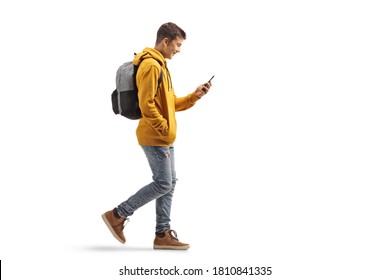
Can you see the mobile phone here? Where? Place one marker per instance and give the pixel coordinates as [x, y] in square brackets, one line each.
[208, 82]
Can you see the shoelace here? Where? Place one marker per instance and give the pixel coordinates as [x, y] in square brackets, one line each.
[173, 236]
[123, 224]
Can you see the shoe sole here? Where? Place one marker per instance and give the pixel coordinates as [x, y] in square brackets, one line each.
[111, 229]
[166, 247]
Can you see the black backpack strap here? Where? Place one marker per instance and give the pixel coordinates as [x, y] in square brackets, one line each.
[160, 78]
[161, 74]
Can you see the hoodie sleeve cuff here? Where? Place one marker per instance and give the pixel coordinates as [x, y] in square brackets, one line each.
[194, 97]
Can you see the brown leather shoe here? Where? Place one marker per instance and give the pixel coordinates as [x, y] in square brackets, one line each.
[115, 225]
[169, 241]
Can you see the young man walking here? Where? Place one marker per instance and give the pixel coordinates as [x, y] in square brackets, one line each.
[156, 133]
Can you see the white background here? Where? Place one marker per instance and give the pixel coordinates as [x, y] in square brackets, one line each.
[285, 163]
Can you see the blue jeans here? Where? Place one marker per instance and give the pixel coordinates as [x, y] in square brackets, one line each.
[162, 163]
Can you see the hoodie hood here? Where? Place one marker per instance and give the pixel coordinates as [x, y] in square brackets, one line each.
[149, 53]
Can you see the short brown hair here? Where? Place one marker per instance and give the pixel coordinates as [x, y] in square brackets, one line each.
[171, 31]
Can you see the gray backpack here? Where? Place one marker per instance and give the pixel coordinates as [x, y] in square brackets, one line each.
[124, 98]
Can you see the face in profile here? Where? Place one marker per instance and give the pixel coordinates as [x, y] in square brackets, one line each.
[172, 47]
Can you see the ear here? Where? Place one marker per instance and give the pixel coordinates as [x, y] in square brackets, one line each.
[166, 41]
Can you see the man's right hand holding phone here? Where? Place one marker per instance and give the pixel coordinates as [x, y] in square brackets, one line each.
[203, 88]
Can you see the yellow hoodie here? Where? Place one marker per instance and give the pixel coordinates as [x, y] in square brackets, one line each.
[157, 127]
